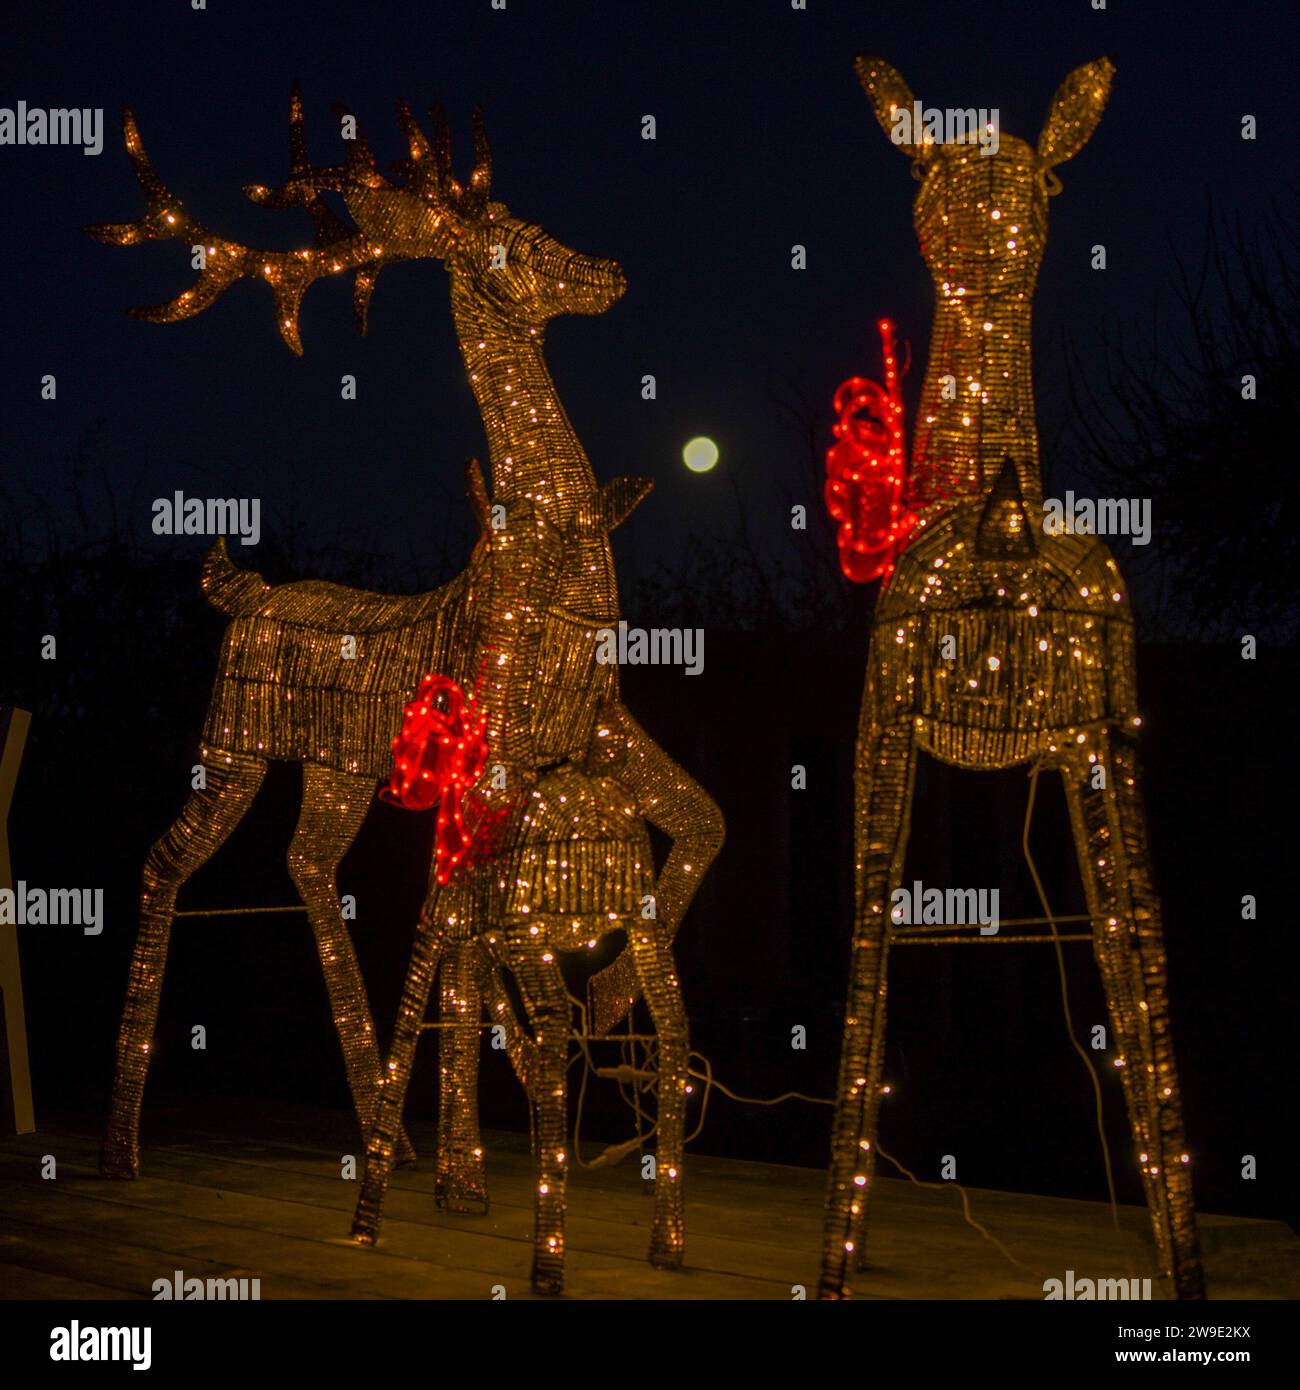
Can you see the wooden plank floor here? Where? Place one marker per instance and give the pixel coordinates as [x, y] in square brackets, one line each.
[260, 1195]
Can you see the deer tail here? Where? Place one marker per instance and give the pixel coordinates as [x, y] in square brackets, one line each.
[227, 587]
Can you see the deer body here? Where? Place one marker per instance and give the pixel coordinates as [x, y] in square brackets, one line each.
[519, 625]
[1043, 670]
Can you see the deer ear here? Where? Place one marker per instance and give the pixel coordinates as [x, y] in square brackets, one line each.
[888, 93]
[619, 499]
[1076, 109]
[478, 495]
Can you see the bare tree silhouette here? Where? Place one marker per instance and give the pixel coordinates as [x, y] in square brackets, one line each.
[1198, 414]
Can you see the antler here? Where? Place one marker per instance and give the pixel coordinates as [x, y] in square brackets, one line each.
[428, 171]
[337, 247]
[438, 210]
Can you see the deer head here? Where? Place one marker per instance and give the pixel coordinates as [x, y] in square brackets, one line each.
[511, 268]
[981, 215]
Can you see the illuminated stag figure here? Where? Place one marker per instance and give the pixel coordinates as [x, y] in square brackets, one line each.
[566, 764]
[1037, 667]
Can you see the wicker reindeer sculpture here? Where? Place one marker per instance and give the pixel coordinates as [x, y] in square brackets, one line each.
[1038, 665]
[322, 675]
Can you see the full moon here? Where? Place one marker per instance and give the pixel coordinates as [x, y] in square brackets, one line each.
[700, 454]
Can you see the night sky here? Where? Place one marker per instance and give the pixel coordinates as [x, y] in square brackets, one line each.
[765, 139]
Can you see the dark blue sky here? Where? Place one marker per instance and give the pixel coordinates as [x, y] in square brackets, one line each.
[764, 139]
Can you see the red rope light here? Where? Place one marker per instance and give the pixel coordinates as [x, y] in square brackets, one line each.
[866, 471]
[437, 759]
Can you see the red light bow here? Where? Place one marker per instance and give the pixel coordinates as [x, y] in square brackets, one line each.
[437, 758]
[866, 471]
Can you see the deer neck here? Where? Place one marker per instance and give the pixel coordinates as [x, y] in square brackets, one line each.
[533, 450]
[977, 400]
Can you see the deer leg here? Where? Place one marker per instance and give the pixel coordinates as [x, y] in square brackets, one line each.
[672, 801]
[1109, 826]
[875, 1079]
[546, 1001]
[334, 804]
[520, 1048]
[657, 976]
[883, 796]
[209, 816]
[460, 1182]
[381, 1144]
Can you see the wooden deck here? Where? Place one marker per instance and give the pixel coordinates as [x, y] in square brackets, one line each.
[257, 1195]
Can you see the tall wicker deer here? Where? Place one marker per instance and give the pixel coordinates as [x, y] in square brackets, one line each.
[1043, 670]
[572, 776]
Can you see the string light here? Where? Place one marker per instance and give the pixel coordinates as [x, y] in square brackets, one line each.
[438, 759]
[866, 471]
